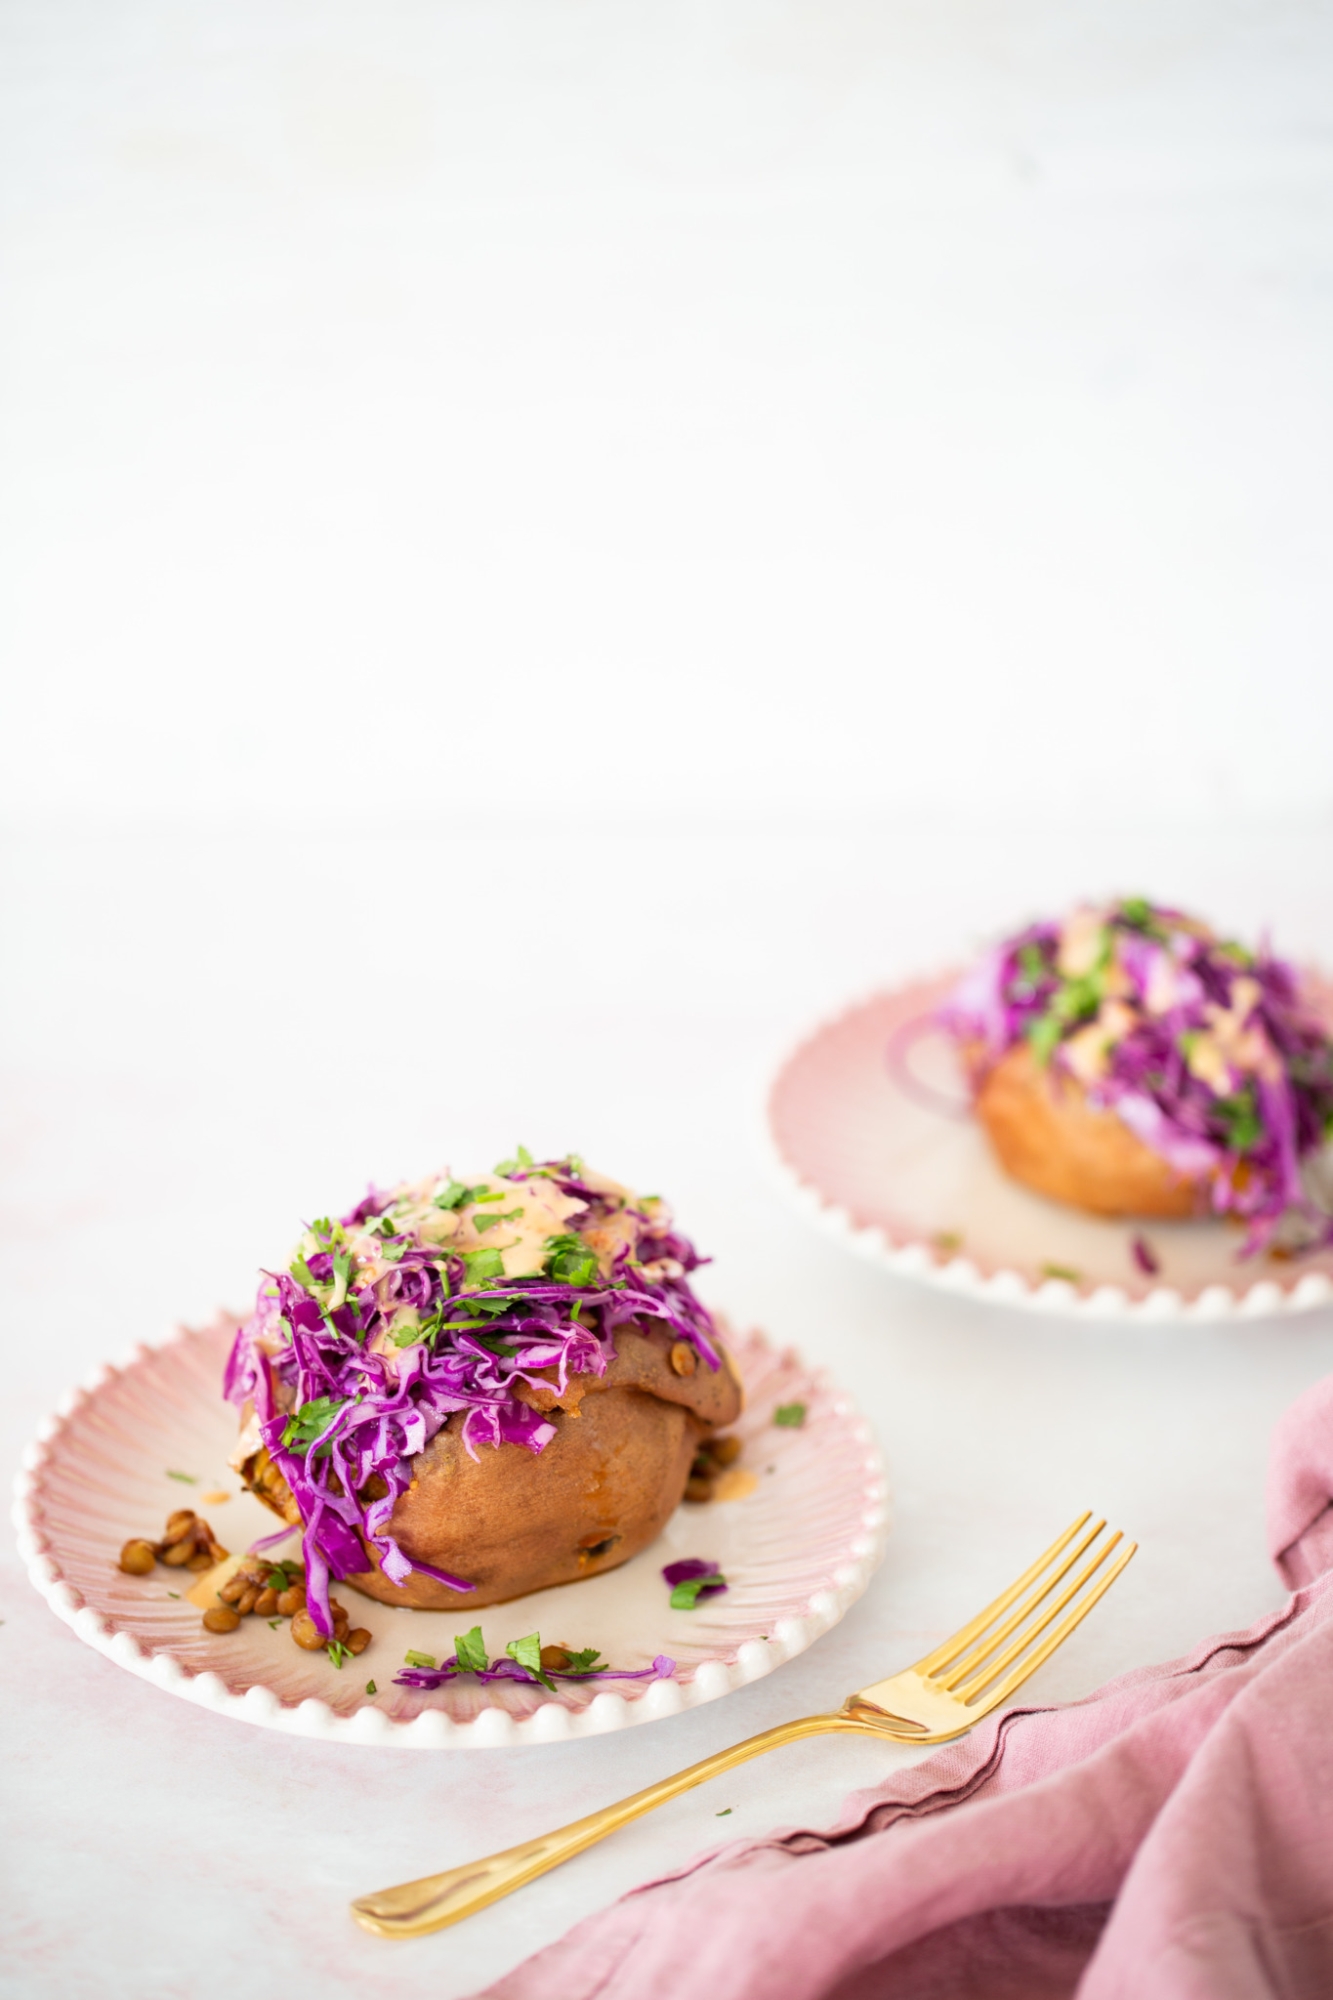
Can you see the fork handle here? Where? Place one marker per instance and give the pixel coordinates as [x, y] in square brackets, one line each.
[413, 1908]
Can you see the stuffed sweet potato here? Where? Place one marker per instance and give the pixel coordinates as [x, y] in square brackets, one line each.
[466, 1392]
[1130, 1062]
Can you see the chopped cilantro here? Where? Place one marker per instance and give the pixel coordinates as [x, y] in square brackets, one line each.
[302, 1428]
[456, 1192]
[481, 1223]
[273, 1624]
[392, 1252]
[494, 1344]
[685, 1595]
[371, 1688]
[790, 1416]
[528, 1653]
[483, 1264]
[303, 1274]
[569, 1260]
[176, 1594]
[583, 1662]
[722, 1815]
[342, 1273]
[337, 1652]
[1241, 1118]
[470, 1648]
[1043, 1033]
[185, 1478]
[411, 1333]
[280, 1574]
[419, 1659]
[1065, 1271]
[522, 1160]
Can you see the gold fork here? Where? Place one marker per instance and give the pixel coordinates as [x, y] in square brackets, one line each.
[942, 1696]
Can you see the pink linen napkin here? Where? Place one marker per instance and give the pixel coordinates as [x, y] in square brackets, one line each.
[1170, 1836]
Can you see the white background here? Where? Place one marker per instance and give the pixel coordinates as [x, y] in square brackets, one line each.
[546, 546]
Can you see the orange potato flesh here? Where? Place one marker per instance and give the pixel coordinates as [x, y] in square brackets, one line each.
[1048, 1136]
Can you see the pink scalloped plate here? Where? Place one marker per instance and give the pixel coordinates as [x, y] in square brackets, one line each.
[869, 1120]
[797, 1549]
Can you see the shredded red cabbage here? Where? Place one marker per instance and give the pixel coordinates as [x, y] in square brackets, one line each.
[1207, 1051]
[688, 1568]
[429, 1678]
[434, 1299]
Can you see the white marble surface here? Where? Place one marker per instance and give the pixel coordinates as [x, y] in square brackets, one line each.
[193, 1062]
[550, 542]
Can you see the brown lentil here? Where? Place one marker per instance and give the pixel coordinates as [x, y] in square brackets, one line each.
[221, 1619]
[697, 1489]
[724, 1450]
[266, 1603]
[177, 1554]
[247, 1600]
[291, 1601]
[357, 1639]
[306, 1633]
[137, 1558]
[555, 1659]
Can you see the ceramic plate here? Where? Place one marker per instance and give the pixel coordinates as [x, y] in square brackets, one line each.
[798, 1548]
[872, 1130]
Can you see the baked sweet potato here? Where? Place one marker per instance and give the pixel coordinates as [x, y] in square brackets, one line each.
[514, 1521]
[1048, 1136]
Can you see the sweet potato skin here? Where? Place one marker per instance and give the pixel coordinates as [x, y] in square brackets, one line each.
[513, 1521]
[1048, 1136]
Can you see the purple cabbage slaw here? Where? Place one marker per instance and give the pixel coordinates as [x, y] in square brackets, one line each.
[502, 1669]
[1207, 1051]
[359, 1353]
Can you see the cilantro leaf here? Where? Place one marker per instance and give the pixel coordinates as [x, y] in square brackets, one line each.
[528, 1653]
[569, 1260]
[483, 1264]
[371, 1688]
[307, 1423]
[1043, 1033]
[470, 1648]
[419, 1659]
[453, 1195]
[790, 1416]
[1240, 1116]
[342, 1273]
[185, 1478]
[494, 1343]
[337, 1652]
[481, 1223]
[582, 1663]
[686, 1595]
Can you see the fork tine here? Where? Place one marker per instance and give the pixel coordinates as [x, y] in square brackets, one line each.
[995, 1667]
[963, 1637]
[972, 1657]
[1061, 1632]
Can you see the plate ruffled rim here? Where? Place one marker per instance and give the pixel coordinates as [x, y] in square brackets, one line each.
[492, 1728]
[915, 1258]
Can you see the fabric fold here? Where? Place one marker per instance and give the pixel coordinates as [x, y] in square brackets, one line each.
[1170, 1835]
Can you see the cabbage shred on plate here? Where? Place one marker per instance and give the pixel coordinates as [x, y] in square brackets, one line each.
[1207, 1051]
[443, 1298]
